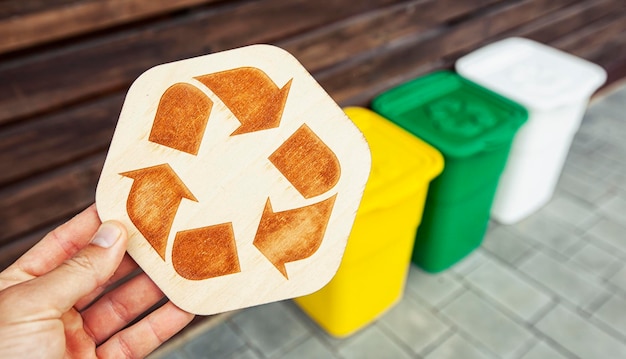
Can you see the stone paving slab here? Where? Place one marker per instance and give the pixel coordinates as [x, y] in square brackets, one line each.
[486, 324]
[543, 351]
[577, 335]
[510, 289]
[413, 324]
[568, 282]
[457, 347]
[433, 289]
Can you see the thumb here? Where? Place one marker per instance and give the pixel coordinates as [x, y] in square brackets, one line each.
[78, 276]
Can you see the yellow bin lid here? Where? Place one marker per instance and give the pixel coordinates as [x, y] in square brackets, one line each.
[402, 164]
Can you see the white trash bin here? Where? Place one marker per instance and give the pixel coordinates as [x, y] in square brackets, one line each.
[555, 88]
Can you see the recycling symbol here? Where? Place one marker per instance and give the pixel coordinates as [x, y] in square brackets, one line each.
[237, 177]
[459, 117]
[307, 163]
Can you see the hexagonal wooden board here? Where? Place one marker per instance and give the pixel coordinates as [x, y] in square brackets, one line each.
[237, 177]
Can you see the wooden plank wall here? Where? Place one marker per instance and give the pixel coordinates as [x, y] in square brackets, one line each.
[65, 66]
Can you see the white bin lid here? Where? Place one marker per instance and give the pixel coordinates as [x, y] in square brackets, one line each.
[535, 75]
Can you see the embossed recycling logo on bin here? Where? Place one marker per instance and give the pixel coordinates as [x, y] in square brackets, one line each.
[237, 177]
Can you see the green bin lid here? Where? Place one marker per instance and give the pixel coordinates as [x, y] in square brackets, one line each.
[455, 115]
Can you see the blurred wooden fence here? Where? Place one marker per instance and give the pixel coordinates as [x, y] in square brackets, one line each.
[65, 66]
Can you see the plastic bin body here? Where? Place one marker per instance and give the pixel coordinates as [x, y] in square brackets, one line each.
[373, 271]
[473, 128]
[555, 87]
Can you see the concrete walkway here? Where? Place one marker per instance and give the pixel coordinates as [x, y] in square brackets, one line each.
[552, 286]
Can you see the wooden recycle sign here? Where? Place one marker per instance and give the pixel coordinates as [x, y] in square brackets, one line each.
[237, 177]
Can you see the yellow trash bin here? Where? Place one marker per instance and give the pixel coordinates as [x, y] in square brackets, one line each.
[373, 271]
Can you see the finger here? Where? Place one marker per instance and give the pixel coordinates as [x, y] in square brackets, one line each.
[57, 291]
[128, 267]
[146, 335]
[119, 307]
[56, 247]
[77, 341]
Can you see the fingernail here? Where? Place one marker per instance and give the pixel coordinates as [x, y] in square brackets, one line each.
[107, 235]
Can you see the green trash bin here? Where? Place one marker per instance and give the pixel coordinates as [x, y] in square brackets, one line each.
[473, 128]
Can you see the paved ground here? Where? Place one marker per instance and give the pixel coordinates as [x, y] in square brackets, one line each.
[552, 286]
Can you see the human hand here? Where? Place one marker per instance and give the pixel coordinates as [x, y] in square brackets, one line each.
[52, 303]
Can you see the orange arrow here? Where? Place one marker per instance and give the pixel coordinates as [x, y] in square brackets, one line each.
[307, 162]
[181, 118]
[153, 202]
[294, 234]
[250, 95]
[205, 252]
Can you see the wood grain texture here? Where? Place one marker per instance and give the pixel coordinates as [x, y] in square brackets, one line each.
[48, 142]
[307, 162]
[612, 57]
[236, 224]
[375, 30]
[609, 53]
[47, 198]
[597, 34]
[181, 118]
[255, 100]
[564, 21]
[207, 252]
[274, 236]
[12, 251]
[380, 71]
[114, 61]
[153, 201]
[17, 8]
[518, 13]
[29, 27]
